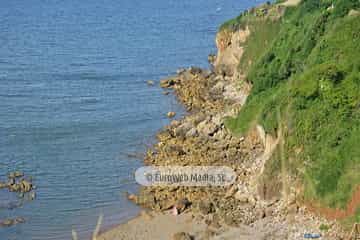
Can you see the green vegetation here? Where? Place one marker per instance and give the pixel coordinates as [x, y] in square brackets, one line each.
[309, 73]
[357, 215]
[261, 38]
[324, 227]
[246, 18]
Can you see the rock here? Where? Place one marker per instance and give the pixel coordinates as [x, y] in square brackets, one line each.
[11, 181]
[3, 185]
[7, 223]
[11, 222]
[20, 220]
[187, 76]
[217, 120]
[18, 174]
[166, 93]
[192, 133]
[207, 128]
[32, 195]
[132, 197]
[242, 197]
[198, 118]
[206, 207]
[211, 58]
[353, 12]
[15, 188]
[291, 199]
[221, 134]
[182, 204]
[146, 199]
[175, 123]
[182, 236]
[229, 220]
[207, 73]
[25, 186]
[218, 89]
[150, 82]
[252, 201]
[195, 70]
[166, 205]
[169, 82]
[180, 71]
[231, 192]
[183, 129]
[174, 150]
[12, 175]
[171, 114]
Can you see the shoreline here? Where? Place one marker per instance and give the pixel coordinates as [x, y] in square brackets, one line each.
[200, 138]
[250, 208]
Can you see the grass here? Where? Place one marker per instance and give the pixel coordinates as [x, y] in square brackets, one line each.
[260, 39]
[324, 227]
[309, 71]
[96, 230]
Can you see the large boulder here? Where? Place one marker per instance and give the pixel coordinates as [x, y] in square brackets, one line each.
[182, 129]
[207, 128]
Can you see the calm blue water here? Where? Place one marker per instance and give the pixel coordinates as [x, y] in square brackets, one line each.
[74, 99]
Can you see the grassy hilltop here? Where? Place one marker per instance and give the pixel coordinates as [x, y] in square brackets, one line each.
[304, 68]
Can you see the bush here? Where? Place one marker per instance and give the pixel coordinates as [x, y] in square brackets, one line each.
[309, 78]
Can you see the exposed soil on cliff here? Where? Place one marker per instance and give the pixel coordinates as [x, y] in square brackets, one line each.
[339, 214]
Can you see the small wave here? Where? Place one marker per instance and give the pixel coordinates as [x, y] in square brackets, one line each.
[89, 100]
[35, 85]
[83, 100]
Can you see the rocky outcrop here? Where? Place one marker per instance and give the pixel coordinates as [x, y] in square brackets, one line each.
[11, 222]
[17, 183]
[21, 185]
[230, 50]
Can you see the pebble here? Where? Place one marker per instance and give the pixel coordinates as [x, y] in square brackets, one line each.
[150, 82]
[171, 114]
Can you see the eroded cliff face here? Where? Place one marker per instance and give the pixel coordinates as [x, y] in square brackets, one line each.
[230, 50]
[231, 46]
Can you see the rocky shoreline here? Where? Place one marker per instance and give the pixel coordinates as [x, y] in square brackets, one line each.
[200, 139]
[249, 208]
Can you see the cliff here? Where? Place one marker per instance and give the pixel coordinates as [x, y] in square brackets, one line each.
[302, 65]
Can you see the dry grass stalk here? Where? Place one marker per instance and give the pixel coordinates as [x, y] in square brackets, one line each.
[96, 231]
